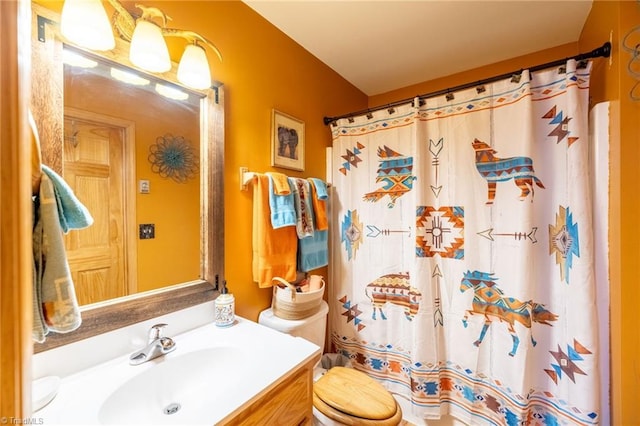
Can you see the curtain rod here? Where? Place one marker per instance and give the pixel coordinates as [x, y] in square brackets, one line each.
[602, 51]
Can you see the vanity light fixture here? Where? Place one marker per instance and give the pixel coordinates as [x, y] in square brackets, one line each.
[85, 22]
[148, 49]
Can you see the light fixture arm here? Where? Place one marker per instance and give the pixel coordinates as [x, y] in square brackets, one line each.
[123, 22]
[192, 37]
[149, 13]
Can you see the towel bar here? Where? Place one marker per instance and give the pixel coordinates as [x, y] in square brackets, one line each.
[246, 177]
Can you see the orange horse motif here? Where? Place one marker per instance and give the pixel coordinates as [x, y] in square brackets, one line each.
[494, 169]
[489, 300]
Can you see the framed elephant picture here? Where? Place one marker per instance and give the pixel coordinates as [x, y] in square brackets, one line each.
[287, 141]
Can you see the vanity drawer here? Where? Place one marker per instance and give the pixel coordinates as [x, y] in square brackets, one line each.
[288, 403]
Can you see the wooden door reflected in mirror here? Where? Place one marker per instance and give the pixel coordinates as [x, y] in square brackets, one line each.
[93, 163]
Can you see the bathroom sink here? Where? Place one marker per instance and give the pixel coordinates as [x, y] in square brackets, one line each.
[180, 389]
[208, 380]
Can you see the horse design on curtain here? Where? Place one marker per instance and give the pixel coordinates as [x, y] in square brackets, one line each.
[435, 291]
[489, 301]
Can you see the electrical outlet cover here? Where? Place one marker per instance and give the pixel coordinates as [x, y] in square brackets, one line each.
[147, 231]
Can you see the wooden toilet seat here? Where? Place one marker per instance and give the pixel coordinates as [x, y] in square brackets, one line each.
[351, 397]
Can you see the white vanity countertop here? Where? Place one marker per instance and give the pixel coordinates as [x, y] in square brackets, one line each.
[265, 356]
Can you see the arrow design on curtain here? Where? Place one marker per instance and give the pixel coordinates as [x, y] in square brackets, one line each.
[518, 236]
[374, 231]
[438, 320]
[435, 148]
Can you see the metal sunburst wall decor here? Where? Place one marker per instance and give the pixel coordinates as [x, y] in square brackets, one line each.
[173, 157]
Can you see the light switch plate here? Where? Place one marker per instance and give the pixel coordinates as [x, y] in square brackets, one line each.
[143, 186]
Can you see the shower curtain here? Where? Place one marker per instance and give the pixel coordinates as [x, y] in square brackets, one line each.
[462, 260]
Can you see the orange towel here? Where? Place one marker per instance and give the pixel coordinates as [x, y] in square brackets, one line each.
[274, 250]
[280, 183]
[319, 208]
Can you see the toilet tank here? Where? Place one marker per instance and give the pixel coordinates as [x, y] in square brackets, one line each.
[312, 328]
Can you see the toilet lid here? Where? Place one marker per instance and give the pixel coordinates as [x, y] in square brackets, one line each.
[355, 393]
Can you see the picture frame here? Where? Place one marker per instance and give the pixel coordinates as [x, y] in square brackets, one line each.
[287, 141]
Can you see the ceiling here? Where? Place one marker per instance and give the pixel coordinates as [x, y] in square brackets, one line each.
[381, 46]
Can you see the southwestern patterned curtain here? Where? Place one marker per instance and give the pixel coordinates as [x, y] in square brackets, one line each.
[462, 263]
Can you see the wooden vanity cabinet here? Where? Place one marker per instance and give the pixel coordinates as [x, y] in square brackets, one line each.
[288, 401]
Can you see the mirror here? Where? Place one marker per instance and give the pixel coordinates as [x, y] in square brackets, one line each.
[130, 144]
[61, 128]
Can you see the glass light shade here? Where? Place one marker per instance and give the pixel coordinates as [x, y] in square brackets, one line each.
[85, 23]
[193, 70]
[148, 49]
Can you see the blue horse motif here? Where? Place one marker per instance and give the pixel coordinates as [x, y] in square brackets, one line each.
[489, 301]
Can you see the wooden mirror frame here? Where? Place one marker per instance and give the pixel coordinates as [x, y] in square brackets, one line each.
[48, 109]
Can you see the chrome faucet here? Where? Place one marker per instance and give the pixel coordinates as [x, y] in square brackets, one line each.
[158, 345]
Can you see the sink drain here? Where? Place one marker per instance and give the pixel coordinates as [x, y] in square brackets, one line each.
[172, 408]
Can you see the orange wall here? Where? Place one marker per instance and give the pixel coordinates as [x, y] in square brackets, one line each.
[613, 83]
[262, 69]
[173, 255]
[627, 237]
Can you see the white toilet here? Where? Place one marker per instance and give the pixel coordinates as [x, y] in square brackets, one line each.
[341, 396]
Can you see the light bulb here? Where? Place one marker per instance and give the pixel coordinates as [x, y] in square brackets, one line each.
[85, 23]
[148, 49]
[193, 70]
